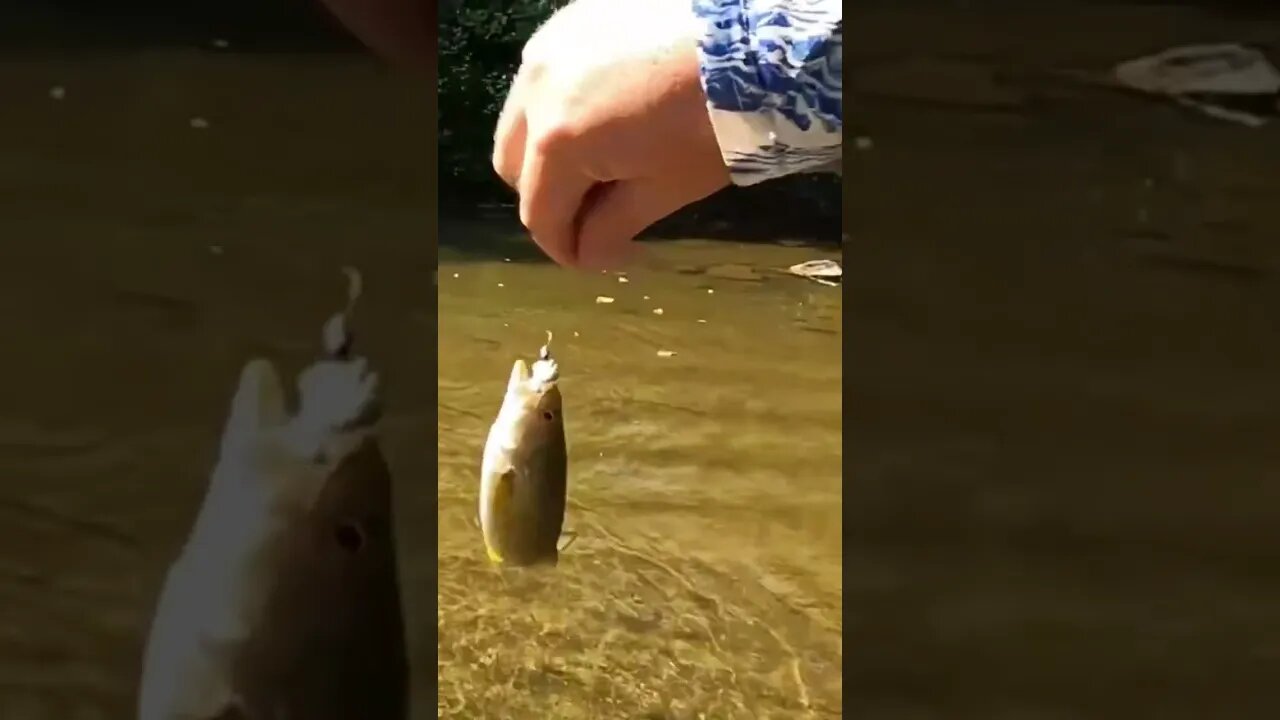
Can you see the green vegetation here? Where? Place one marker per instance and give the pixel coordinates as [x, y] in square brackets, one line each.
[480, 46]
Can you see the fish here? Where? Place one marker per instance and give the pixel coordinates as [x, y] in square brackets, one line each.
[285, 600]
[524, 472]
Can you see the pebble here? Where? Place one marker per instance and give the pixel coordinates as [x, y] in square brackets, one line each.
[657, 311]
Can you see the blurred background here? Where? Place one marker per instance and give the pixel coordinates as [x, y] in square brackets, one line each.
[180, 184]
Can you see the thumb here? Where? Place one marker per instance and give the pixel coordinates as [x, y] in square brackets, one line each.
[621, 210]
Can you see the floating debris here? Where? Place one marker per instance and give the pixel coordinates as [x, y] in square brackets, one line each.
[657, 311]
[455, 274]
[701, 321]
[666, 353]
[1227, 81]
[215, 249]
[199, 123]
[57, 92]
[646, 297]
[863, 143]
[501, 285]
[623, 279]
[220, 43]
[603, 299]
[826, 272]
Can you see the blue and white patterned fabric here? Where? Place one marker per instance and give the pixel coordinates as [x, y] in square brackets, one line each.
[773, 74]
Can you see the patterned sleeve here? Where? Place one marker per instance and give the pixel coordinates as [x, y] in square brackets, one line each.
[773, 73]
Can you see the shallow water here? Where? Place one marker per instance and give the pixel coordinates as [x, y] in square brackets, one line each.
[705, 487]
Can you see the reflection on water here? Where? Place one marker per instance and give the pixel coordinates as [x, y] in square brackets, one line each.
[705, 486]
[144, 261]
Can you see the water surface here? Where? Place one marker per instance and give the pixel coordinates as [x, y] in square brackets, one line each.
[144, 261]
[705, 486]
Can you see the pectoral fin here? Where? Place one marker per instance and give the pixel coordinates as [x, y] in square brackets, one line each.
[567, 538]
[500, 507]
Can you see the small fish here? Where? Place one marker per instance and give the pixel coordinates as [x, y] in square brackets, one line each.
[524, 476]
[285, 601]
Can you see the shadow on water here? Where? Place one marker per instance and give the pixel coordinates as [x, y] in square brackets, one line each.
[495, 233]
[800, 210]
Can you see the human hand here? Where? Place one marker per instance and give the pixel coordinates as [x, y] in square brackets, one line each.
[605, 129]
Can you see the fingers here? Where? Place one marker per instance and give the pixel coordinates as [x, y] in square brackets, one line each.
[624, 209]
[552, 189]
[510, 135]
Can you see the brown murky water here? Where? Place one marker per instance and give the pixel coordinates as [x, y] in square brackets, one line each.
[144, 261]
[704, 486]
[1063, 367]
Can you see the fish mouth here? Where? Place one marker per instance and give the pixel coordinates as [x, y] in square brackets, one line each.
[340, 395]
[370, 410]
[544, 373]
[366, 419]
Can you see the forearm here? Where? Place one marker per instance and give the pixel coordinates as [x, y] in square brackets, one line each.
[772, 71]
[401, 31]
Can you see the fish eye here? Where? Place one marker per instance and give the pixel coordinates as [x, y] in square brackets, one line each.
[349, 536]
[548, 415]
